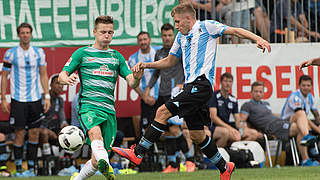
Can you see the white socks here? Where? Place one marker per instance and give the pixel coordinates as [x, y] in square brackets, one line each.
[99, 151]
[87, 171]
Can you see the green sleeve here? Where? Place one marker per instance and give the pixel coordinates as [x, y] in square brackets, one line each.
[74, 61]
[124, 70]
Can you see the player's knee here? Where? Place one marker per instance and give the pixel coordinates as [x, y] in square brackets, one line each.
[34, 132]
[163, 113]
[225, 132]
[197, 136]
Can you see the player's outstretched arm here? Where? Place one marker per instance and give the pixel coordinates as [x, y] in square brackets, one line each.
[166, 62]
[315, 61]
[133, 79]
[242, 33]
[65, 79]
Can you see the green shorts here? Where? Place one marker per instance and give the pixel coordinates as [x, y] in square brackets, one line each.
[107, 123]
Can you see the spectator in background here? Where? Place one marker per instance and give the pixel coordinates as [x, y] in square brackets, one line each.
[54, 119]
[74, 112]
[258, 113]
[241, 17]
[203, 9]
[221, 105]
[262, 19]
[297, 19]
[25, 63]
[300, 103]
[146, 53]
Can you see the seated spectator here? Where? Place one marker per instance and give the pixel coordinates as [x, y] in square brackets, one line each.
[301, 102]
[54, 119]
[280, 17]
[3, 156]
[221, 105]
[259, 114]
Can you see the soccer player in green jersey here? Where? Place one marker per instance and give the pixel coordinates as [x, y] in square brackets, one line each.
[98, 68]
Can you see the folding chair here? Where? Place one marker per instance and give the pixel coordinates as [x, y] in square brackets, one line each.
[293, 147]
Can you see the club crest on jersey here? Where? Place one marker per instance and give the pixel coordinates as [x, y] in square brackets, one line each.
[103, 71]
[68, 62]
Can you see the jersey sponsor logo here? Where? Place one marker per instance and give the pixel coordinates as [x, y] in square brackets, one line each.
[297, 101]
[90, 59]
[194, 90]
[230, 105]
[68, 62]
[286, 126]
[103, 71]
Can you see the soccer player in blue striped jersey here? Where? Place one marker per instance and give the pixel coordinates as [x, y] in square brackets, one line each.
[27, 66]
[196, 44]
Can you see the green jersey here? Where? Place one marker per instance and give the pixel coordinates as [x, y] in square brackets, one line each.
[98, 71]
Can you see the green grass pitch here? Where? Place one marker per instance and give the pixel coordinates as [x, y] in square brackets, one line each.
[283, 173]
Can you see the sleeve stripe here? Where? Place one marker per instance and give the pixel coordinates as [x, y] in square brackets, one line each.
[6, 69]
[174, 54]
[244, 112]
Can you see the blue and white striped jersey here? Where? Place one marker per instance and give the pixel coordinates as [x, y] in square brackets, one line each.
[147, 58]
[297, 101]
[24, 72]
[198, 49]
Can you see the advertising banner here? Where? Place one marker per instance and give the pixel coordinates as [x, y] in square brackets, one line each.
[278, 70]
[71, 22]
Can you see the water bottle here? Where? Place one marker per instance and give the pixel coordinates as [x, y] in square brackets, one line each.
[241, 127]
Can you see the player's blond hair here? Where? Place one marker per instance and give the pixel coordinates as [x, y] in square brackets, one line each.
[184, 8]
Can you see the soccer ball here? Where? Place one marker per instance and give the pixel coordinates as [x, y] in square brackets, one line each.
[71, 138]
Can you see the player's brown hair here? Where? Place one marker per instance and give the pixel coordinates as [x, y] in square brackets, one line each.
[103, 20]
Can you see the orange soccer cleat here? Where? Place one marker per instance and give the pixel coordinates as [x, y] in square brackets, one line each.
[170, 169]
[128, 153]
[227, 174]
[191, 167]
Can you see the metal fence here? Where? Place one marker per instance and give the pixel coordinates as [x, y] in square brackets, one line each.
[278, 21]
